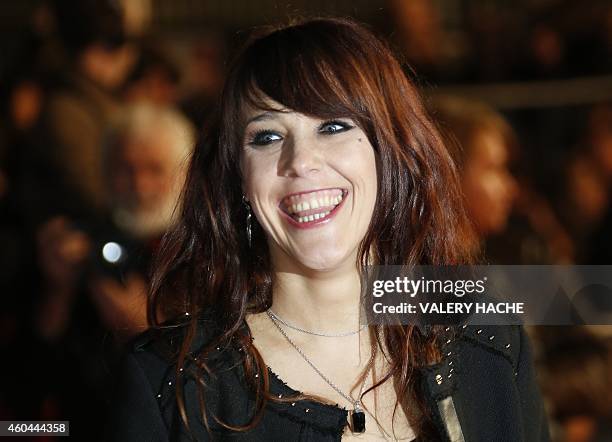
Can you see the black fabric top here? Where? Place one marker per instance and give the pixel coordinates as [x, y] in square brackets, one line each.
[483, 390]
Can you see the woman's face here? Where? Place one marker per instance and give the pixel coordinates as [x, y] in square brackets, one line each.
[312, 185]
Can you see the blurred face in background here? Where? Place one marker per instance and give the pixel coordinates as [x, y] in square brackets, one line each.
[488, 185]
[108, 67]
[146, 179]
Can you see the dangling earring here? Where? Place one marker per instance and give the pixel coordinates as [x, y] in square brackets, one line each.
[248, 219]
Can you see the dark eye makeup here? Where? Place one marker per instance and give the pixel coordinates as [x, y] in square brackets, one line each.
[263, 137]
[266, 137]
[334, 127]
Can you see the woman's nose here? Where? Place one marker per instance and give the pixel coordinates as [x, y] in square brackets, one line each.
[300, 158]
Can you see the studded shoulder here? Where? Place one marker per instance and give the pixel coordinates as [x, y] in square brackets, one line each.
[504, 340]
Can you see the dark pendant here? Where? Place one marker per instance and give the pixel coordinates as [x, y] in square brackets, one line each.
[358, 421]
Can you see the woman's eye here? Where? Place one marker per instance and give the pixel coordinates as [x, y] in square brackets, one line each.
[334, 127]
[264, 137]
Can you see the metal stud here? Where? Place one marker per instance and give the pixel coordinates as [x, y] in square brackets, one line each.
[449, 353]
[293, 404]
[446, 329]
[307, 410]
[280, 396]
[438, 379]
[450, 376]
[491, 337]
[448, 341]
[508, 345]
[159, 396]
[450, 362]
[256, 375]
[181, 369]
[169, 382]
[186, 313]
[479, 331]
[451, 370]
[218, 348]
[464, 326]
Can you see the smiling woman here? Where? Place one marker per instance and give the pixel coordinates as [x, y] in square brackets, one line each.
[306, 179]
[321, 161]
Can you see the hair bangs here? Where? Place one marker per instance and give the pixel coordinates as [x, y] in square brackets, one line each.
[308, 75]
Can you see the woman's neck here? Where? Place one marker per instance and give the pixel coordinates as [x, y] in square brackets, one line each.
[325, 301]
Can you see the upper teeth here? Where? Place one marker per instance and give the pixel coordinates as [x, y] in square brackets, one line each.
[315, 203]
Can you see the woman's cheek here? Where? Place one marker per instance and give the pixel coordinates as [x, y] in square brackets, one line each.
[256, 172]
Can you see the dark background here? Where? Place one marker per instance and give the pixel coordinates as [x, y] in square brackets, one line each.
[545, 66]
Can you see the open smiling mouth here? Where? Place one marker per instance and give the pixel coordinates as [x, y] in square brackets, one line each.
[309, 208]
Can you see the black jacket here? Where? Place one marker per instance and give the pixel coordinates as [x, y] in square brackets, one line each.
[483, 390]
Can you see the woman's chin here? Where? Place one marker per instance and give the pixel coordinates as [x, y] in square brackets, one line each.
[324, 262]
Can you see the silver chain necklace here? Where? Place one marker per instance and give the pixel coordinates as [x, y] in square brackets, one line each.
[325, 335]
[358, 415]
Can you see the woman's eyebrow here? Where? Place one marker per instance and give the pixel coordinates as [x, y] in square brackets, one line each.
[267, 115]
[260, 117]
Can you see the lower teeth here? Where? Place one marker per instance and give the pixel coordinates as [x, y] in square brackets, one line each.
[305, 219]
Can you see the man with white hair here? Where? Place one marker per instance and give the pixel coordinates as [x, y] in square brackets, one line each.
[145, 160]
[146, 152]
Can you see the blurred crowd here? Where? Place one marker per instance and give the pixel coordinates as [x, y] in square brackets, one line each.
[99, 117]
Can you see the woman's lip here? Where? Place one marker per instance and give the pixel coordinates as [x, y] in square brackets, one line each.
[316, 222]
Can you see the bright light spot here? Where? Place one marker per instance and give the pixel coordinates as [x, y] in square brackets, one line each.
[112, 252]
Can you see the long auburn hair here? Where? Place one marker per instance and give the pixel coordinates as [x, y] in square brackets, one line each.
[325, 68]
